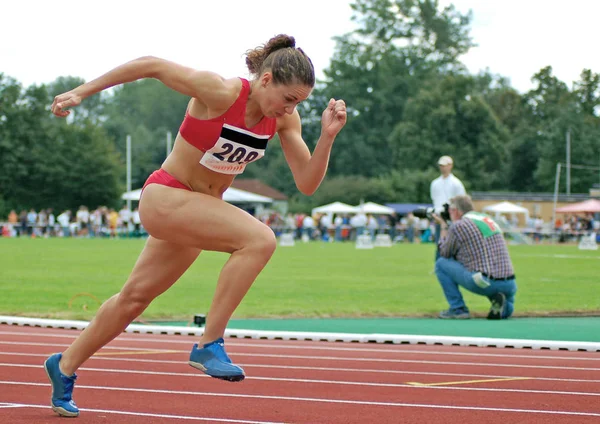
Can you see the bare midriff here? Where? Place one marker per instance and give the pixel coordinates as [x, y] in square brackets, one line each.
[184, 164]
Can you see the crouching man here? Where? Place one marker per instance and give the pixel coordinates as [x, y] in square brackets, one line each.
[474, 255]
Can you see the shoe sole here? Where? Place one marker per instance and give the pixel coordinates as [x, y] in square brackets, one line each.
[455, 317]
[60, 411]
[232, 378]
[496, 310]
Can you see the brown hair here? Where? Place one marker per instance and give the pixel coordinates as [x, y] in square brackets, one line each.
[287, 63]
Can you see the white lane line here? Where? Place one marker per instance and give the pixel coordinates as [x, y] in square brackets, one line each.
[3, 342]
[350, 370]
[315, 381]
[271, 345]
[354, 359]
[10, 405]
[321, 400]
[145, 414]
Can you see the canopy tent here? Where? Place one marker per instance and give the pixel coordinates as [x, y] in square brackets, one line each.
[506, 207]
[374, 208]
[590, 205]
[335, 207]
[231, 195]
[405, 208]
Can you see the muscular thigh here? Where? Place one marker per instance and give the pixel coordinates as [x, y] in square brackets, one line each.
[158, 267]
[198, 220]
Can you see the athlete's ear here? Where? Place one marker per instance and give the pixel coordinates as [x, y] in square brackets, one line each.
[266, 79]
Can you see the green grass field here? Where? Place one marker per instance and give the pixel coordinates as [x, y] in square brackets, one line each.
[67, 278]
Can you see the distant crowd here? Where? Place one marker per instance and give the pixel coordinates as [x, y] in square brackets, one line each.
[573, 227]
[100, 222]
[110, 223]
[344, 227]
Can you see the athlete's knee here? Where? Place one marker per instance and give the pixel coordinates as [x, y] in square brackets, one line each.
[132, 302]
[263, 240]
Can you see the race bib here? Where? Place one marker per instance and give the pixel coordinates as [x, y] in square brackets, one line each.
[234, 149]
[486, 225]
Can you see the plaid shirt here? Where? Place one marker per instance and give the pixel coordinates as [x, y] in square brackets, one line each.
[466, 244]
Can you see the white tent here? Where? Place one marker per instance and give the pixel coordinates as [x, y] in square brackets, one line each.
[335, 207]
[375, 208]
[231, 195]
[506, 207]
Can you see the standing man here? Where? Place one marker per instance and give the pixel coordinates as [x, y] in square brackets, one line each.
[474, 256]
[443, 188]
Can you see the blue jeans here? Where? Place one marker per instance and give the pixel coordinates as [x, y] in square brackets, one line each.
[452, 274]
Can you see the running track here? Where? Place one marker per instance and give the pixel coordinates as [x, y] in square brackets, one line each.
[144, 378]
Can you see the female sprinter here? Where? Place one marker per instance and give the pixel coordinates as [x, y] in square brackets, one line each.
[227, 125]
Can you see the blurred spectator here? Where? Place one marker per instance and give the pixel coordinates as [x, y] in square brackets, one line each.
[13, 218]
[308, 226]
[83, 221]
[31, 222]
[443, 188]
[137, 223]
[64, 220]
[124, 220]
[357, 223]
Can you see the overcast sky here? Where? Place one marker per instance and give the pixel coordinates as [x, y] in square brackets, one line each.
[42, 40]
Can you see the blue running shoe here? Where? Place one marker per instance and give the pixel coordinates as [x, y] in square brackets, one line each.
[212, 360]
[62, 388]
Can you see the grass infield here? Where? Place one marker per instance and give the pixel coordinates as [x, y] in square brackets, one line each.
[69, 278]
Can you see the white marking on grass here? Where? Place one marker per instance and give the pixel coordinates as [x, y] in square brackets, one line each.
[558, 256]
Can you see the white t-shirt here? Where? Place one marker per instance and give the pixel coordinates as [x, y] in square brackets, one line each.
[444, 189]
[125, 215]
[63, 219]
[83, 216]
[308, 222]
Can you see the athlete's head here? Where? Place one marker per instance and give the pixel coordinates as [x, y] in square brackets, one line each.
[284, 73]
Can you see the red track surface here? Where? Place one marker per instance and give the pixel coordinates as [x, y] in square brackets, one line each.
[145, 379]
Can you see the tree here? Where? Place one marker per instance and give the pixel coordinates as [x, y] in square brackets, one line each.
[49, 162]
[449, 117]
[378, 67]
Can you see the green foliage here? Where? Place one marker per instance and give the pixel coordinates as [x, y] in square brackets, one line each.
[409, 98]
[48, 162]
[448, 117]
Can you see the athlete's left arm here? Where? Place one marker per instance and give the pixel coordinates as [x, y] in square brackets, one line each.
[309, 171]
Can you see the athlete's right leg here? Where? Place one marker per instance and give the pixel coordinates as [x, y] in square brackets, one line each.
[160, 264]
[158, 267]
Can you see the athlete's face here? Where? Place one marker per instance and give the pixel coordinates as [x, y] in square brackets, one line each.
[282, 99]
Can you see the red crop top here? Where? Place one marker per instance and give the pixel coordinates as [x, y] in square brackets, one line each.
[228, 143]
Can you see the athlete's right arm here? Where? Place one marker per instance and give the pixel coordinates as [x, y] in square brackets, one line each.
[206, 86]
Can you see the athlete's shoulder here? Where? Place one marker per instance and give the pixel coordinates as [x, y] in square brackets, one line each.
[217, 91]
